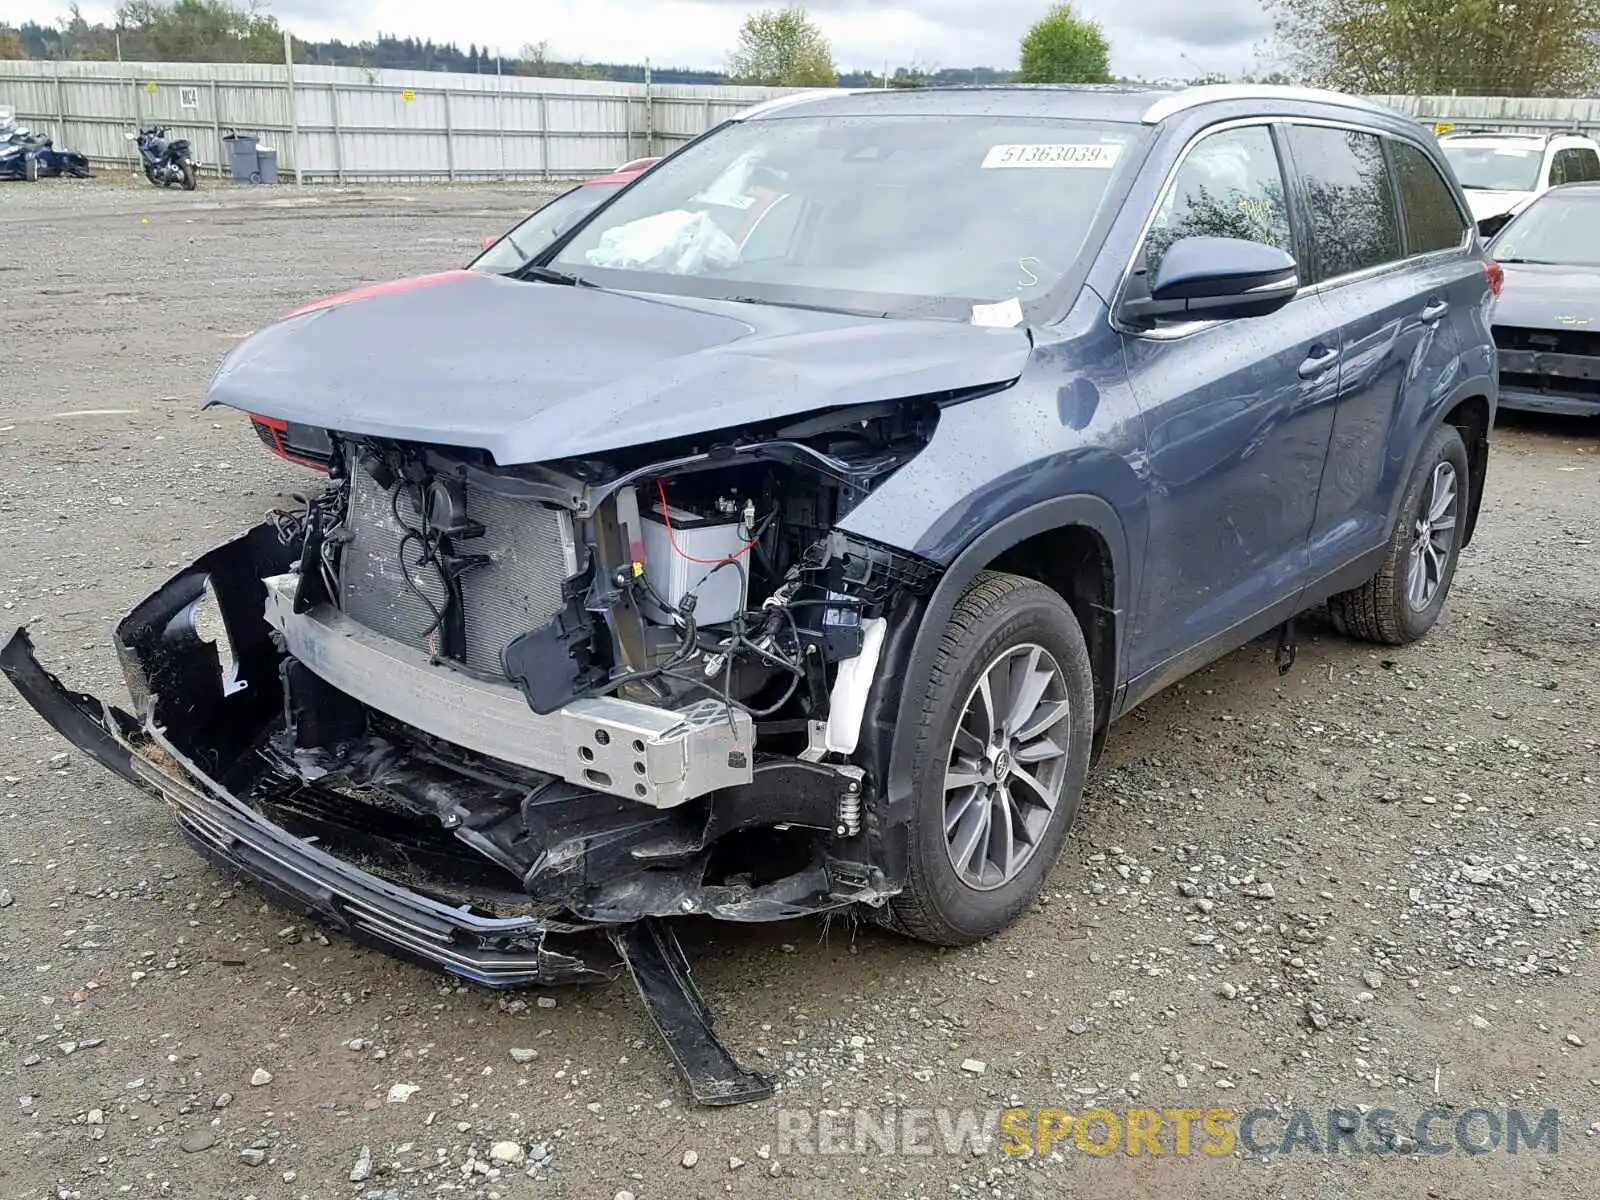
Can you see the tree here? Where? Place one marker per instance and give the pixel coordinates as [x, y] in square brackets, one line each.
[1065, 48]
[1435, 47]
[780, 47]
[10, 43]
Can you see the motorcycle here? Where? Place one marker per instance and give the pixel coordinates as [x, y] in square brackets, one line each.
[30, 156]
[166, 159]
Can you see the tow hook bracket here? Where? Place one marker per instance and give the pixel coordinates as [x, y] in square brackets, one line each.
[1288, 644]
[683, 1018]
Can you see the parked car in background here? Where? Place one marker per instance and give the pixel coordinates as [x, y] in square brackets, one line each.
[1500, 172]
[1547, 319]
[519, 245]
[28, 155]
[785, 537]
[310, 446]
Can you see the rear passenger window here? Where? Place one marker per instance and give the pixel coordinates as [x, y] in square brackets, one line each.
[1354, 225]
[1229, 185]
[1589, 161]
[1432, 220]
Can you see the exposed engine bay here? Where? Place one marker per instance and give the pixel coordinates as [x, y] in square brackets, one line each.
[664, 657]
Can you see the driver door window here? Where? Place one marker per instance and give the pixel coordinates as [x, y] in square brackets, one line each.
[1229, 185]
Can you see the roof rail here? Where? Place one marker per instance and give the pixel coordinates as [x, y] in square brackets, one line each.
[1214, 93]
[781, 102]
[1491, 131]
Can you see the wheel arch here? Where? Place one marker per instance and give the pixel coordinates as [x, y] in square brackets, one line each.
[1073, 542]
[1472, 415]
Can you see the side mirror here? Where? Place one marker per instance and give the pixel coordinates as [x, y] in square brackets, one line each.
[1218, 278]
[132, 137]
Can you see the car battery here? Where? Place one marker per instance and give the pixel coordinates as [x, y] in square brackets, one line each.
[691, 558]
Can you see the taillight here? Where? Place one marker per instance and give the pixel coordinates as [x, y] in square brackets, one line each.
[1496, 275]
[274, 433]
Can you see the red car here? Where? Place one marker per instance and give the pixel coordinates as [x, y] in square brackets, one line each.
[514, 248]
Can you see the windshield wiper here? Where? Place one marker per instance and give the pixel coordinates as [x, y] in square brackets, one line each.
[825, 308]
[551, 275]
[1533, 262]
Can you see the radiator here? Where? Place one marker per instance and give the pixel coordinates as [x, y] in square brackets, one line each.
[529, 546]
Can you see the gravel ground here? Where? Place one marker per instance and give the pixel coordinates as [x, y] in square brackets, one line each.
[1370, 884]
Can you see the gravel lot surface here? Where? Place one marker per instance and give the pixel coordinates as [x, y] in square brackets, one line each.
[1370, 884]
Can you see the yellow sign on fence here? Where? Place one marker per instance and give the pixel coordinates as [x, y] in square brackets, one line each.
[1443, 127]
[408, 95]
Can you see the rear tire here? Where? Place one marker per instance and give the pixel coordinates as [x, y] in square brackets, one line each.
[30, 168]
[1009, 707]
[190, 182]
[1403, 601]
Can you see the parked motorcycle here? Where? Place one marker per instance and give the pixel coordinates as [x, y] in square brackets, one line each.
[166, 159]
[30, 156]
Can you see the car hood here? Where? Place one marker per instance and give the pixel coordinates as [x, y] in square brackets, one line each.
[1484, 203]
[1536, 296]
[534, 372]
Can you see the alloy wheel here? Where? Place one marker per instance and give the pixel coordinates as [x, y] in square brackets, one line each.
[1007, 766]
[1433, 538]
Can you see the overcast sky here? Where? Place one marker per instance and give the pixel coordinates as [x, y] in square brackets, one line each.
[1149, 38]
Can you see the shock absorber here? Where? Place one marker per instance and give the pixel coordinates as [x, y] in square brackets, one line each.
[850, 807]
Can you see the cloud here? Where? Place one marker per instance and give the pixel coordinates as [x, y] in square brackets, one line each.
[1219, 35]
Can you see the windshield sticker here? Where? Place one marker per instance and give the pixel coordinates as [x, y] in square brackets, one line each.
[1007, 314]
[1100, 156]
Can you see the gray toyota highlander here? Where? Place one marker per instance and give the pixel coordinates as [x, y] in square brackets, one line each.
[785, 535]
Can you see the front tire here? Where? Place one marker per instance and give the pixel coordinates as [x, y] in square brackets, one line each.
[1403, 601]
[1003, 746]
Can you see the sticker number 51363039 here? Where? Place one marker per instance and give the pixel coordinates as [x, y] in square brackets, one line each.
[1094, 155]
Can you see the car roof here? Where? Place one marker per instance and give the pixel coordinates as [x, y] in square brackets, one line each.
[1148, 105]
[624, 174]
[1495, 136]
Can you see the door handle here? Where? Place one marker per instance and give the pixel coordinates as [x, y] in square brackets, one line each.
[1318, 362]
[1433, 310]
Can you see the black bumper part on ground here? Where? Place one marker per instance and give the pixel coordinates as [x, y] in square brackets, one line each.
[493, 951]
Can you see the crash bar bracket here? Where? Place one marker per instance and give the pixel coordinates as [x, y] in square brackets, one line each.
[683, 1018]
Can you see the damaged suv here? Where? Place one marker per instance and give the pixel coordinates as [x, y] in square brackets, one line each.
[784, 538]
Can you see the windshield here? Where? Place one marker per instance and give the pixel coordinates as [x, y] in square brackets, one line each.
[1556, 228]
[535, 234]
[1496, 168]
[903, 216]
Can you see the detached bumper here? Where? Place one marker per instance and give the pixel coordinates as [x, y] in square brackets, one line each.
[495, 951]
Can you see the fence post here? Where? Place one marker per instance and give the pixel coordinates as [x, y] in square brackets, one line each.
[338, 133]
[294, 111]
[627, 105]
[61, 109]
[216, 125]
[500, 114]
[544, 136]
[649, 113]
[449, 140]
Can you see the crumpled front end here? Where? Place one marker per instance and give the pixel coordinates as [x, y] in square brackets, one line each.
[494, 718]
[198, 744]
